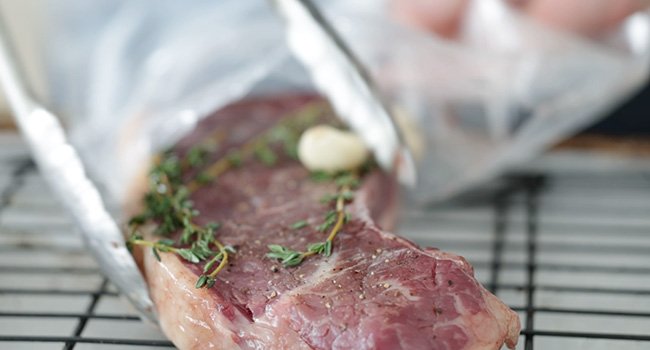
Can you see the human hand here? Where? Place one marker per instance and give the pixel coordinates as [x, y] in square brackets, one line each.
[586, 17]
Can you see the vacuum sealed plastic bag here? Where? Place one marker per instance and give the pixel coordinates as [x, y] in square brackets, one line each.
[132, 77]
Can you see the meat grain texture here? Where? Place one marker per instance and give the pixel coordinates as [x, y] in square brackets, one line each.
[376, 290]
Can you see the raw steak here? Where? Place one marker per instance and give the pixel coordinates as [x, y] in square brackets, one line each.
[376, 290]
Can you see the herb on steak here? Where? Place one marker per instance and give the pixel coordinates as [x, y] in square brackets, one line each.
[198, 155]
[334, 221]
[321, 176]
[266, 155]
[299, 224]
[167, 203]
[285, 255]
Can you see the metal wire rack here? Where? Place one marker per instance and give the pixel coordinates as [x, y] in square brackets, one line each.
[569, 252]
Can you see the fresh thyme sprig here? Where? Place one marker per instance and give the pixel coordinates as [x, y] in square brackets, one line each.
[334, 221]
[168, 205]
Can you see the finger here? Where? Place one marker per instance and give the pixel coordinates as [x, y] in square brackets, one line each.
[439, 16]
[588, 17]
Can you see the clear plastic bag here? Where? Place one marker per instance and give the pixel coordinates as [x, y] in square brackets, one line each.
[132, 77]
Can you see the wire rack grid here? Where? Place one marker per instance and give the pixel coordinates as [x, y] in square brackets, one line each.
[570, 252]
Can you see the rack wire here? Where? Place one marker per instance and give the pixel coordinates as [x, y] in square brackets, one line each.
[570, 252]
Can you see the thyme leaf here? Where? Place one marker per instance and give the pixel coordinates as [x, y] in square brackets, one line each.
[201, 281]
[204, 179]
[266, 155]
[347, 179]
[299, 224]
[188, 255]
[330, 219]
[198, 155]
[320, 176]
[286, 256]
[234, 158]
[155, 253]
[317, 248]
[328, 247]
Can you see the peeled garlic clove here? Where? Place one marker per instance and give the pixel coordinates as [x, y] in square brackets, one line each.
[324, 148]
